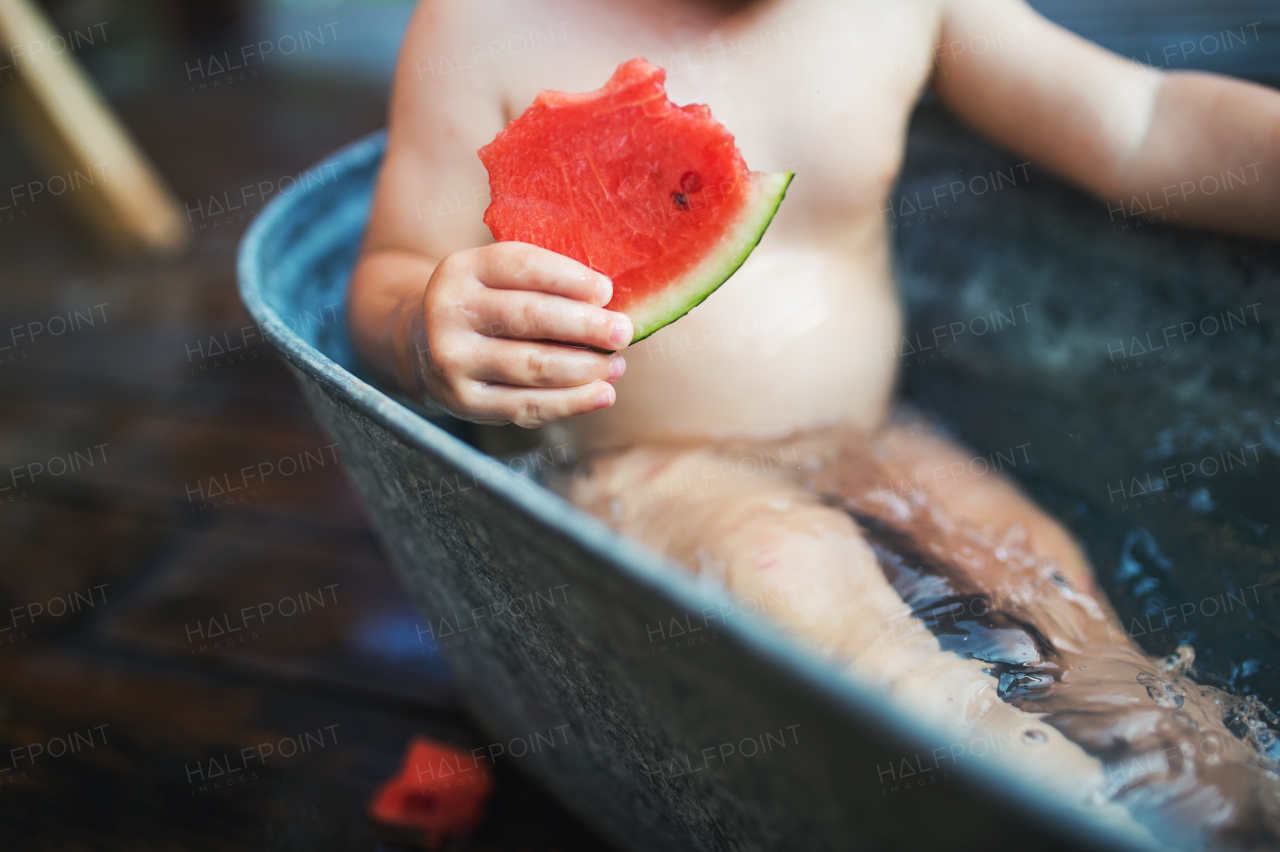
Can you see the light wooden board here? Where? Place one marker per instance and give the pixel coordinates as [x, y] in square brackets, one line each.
[75, 136]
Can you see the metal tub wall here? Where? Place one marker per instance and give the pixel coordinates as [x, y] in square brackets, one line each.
[623, 731]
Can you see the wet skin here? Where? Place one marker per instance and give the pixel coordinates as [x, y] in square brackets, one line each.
[793, 343]
[959, 599]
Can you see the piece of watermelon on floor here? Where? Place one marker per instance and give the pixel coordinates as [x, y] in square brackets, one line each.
[437, 796]
[653, 195]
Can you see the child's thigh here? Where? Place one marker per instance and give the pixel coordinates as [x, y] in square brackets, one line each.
[763, 536]
[968, 488]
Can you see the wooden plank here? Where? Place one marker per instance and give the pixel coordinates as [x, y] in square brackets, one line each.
[139, 775]
[75, 135]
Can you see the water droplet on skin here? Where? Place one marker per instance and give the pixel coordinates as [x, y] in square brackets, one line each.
[1164, 693]
[1179, 662]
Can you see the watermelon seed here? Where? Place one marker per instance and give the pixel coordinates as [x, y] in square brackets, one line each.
[690, 182]
[680, 200]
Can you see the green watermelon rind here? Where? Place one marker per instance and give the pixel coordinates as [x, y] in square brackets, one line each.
[718, 266]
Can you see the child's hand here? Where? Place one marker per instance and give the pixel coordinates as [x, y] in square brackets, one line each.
[494, 322]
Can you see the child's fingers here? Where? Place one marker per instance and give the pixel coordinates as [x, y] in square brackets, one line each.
[521, 266]
[542, 365]
[523, 315]
[530, 407]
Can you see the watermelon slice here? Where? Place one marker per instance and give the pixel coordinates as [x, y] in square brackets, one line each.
[653, 195]
[419, 806]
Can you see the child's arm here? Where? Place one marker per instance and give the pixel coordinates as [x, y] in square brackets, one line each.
[1115, 127]
[439, 308]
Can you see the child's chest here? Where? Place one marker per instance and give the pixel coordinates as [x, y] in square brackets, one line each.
[820, 87]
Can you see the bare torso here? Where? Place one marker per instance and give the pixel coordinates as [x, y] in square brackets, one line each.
[792, 341]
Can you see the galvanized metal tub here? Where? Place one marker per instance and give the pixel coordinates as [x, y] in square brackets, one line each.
[618, 730]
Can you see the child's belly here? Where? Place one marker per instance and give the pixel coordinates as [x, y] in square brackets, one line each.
[802, 336]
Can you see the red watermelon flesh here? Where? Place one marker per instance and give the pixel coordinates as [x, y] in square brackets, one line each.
[653, 195]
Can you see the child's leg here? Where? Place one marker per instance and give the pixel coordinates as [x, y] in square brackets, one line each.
[1048, 668]
[805, 565]
[761, 535]
[765, 530]
[968, 489]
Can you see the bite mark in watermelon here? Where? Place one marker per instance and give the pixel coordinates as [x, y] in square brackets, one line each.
[655, 196]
